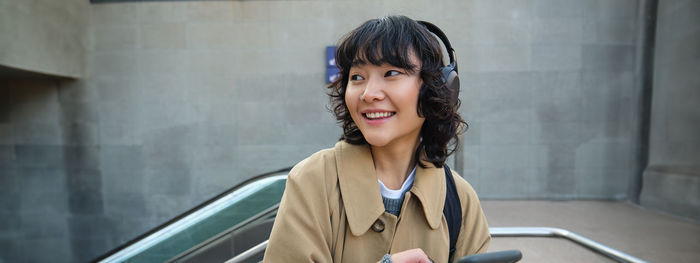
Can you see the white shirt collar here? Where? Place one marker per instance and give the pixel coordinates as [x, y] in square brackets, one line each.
[396, 194]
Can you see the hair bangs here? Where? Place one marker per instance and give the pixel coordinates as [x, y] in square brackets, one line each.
[378, 42]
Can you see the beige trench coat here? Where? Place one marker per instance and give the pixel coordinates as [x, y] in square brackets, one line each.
[332, 211]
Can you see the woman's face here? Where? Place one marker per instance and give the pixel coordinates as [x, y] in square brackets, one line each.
[383, 102]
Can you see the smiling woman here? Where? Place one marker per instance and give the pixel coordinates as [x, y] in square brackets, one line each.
[392, 44]
[383, 193]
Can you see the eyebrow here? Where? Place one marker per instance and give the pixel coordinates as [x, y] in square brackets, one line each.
[358, 62]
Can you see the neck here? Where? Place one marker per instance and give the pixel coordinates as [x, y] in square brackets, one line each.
[394, 163]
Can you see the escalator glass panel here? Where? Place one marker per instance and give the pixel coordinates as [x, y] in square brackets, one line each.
[218, 217]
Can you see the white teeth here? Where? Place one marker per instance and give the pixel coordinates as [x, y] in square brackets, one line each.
[376, 115]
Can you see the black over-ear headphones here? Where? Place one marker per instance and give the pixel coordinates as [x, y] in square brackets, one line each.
[449, 72]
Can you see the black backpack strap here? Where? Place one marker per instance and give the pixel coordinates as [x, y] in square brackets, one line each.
[452, 209]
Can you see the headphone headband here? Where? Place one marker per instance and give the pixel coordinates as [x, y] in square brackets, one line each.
[436, 30]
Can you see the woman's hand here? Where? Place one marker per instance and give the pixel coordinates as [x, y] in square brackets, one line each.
[415, 255]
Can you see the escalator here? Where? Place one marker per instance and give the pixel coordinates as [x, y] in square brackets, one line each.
[214, 231]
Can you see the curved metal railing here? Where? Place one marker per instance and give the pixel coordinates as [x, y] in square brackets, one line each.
[566, 234]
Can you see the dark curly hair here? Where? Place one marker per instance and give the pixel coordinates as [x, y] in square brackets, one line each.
[390, 40]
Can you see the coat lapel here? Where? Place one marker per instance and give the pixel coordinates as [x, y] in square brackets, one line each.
[429, 187]
[358, 186]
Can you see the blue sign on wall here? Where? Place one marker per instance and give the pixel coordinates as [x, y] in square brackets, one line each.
[331, 67]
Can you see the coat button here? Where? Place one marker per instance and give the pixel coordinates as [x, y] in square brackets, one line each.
[378, 226]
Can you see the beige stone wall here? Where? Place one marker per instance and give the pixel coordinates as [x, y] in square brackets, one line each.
[44, 36]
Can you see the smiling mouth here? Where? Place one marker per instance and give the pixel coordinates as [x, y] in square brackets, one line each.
[378, 115]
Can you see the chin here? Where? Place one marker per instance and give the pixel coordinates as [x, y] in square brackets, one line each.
[376, 142]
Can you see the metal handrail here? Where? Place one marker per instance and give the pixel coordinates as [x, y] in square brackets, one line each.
[250, 253]
[264, 213]
[505, 232]
[566, 234]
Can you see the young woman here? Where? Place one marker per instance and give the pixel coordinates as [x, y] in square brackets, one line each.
[379, 194]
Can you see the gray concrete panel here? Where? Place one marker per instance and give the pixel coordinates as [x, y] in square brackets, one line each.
[215, 148]
[11, 226]
[560, 9]
[601, 183]
[608, 58]
[219, 11]
[37, 133]
[114, 63]
[39, 156]
[502, 9]
[85, 192]
[9, 250]
[80, 133]
[172, 181]
[120, 133]
[498, 31]
[557, 31]
[552, 57]
[7, 157]
[81, 157]
[671, 178]
[614, 31]
[116, 14]
[38, 198]
[127, 205]
[504, 110]
[79, 109]
[35, 225]
[611, 9]
[10, 187]
[560, 182]
[505, 133]
[506, 156]
[163, 62]
[156, 13]
[163, 36]
[559, 156]
[213, 62]
[509, 183]
[672, 192]
[165, 149]
[53, 249]
[115, 37]
[87, 249]
[501, 57]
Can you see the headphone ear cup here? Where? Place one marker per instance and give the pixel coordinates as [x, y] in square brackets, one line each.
[451, 80]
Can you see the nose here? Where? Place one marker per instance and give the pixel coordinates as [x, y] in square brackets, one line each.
[374, 91]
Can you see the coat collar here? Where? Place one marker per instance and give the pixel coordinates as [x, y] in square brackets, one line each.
[360, 191]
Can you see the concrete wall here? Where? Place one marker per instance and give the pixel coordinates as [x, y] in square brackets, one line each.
[672, 179]
[184, 99]
[44, 36]
[548, 87]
